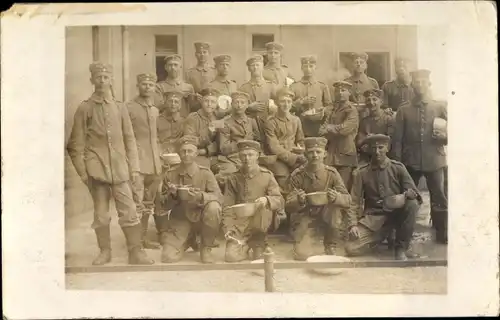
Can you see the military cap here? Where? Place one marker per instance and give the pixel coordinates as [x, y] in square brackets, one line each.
[239, 94]
[188, 139]
[274, 46]
[285, 91]
[342, 84]
[356, 55]
[376, 138]
[98, 67]
[174, 93]
[146, 77]
[373, 92]
[255, 58]
[308, 59]
[209, 91]
[421, 73]
[315, 142]
[248, 144]
[222, 58]
[173, 57]
[201, 46]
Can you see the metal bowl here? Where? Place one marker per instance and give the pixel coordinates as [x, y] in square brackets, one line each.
[394, 202]
[183, 193]
[314, 114]
[224, 102]
[243, 210]
[319, 198]
[267, 160]
[327, 258]
[171, 158]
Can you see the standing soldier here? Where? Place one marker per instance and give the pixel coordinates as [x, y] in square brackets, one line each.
[372, 216]
[376, 122]
[315, 176]
[421, 149]
[250, 183]
[173, 82]
[170, 122]
[144, 116]
[310, 94]
[260, 91]
[194, 208]
[360, 81]
[274, 71]
[222, 83]
[103, 150]
[203, 73]
[340, 128]
[398, 90]
[238, 126]
[199, 124]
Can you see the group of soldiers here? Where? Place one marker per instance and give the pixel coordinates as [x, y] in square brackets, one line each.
[176, 152]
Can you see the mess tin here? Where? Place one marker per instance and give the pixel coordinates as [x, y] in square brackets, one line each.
[183, 193]
[319, 198]
[298, 150]
[314, 114]
[394, 202]
[243, 210]
[171, 158]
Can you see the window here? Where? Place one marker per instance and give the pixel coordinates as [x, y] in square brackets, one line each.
[378, 64]
[165, 45]
[259, 42]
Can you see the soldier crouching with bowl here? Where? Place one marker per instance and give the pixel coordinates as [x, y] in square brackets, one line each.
[252, 198]
[318, 193]
[193, 197]
[391, 201]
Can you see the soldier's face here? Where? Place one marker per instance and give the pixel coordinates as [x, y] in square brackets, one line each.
[249, 158]
[209, 103]
[173, 68]
[373, 103]
[379, 151]
[315, 155]
[285, 103]
[173, 104]
[239, 105]
[342, 94]
[256, 68]
[101, 81]
[359, 65]
[308, 69]
[202, 55]
[273, 56]
[146, 88]
[188, 153]
[421, 85]
[401, 72]
[223, 68]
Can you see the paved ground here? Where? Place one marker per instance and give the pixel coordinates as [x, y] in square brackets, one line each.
[81, 248]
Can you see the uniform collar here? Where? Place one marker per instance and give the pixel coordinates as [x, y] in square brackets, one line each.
[316, 172]
[190, 171]
[251, 173]
[202, 115]
[177, 81]
[172, 117]
[286, 117]
[360, 79]
[404, 83]
[205, 67]
[382, 166]
[310, 80]
[143, 101]
[339, 106]
[270, 67]
[421, 101]
[241, 120]
[222, 79]
[101, 99]
[257, 82]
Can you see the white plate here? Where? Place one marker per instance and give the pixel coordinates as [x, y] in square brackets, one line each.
[224, 102]
[288, 81]
[327, 258]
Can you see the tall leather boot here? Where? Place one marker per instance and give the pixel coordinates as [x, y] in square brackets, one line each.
[441, 226]
[146, 244]
[136, 255]
[104, 242]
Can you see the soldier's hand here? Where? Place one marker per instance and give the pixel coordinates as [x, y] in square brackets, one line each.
[262, 202]
[196, 194]
[301, 196]
[438, 135]
[411, 194]
[171, 188]
[301, 159]
[229, 234]
[332, 195]
[330, 128]
[354, 232]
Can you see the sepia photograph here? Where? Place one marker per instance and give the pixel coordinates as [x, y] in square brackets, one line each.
[256, 146]
[249, 160]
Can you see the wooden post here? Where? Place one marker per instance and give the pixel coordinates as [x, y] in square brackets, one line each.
[125, 63]
[95, 43]
[269, 270]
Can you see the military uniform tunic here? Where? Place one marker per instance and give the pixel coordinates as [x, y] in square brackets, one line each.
[170, 130]
[276, 74]
[359, 86]
[170, 85]
[397, 92]
[200, 76]
[197, 124]
[380, 123]
[224, 86]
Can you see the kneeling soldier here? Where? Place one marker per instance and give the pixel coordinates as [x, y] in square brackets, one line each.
[194, 209]
[306, 219]
[390, 201]
[250, 183]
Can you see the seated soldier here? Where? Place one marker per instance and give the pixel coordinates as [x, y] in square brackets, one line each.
[200, 124]
[250, 183]
[170, 122]
[307, 219]
[238, 126]
[193, 197]
[376, 184]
